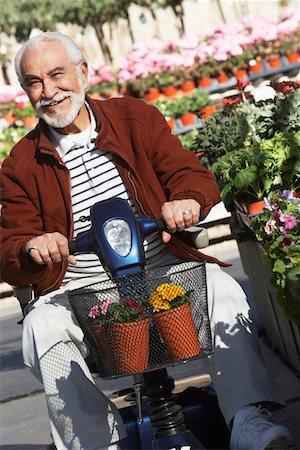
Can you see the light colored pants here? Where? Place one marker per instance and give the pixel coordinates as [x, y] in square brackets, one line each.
[82, 418]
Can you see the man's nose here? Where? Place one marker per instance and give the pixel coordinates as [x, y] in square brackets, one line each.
[49, 89]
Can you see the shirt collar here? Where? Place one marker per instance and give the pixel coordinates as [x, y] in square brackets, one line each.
[64, 142]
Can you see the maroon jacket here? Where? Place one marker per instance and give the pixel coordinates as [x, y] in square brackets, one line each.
[35, 184]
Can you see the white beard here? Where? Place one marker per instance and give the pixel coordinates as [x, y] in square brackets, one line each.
[60, 120]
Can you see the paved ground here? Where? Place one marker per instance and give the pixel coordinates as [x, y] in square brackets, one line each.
[23, 421]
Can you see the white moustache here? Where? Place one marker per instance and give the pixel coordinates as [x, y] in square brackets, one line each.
[55, 99]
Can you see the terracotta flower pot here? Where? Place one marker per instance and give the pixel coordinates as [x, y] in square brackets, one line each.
[10, 118]
[171, 123]
[240, 74]
[170, 91]
[293, 58]
[152, 95]
[207, 111]
[256, 68]
[123, 347]
[274, 62]
[204, 82]
[188, 86]
[178, 332]
[296, 194]
[29, 121]
[188, 118]
[222, 78]
[255, 207]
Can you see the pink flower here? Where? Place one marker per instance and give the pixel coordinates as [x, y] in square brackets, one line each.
[93, 312]
[104, 306]
[289, 221]
[270, 226]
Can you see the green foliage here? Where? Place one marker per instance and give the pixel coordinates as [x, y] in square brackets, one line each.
[247, 123]
[19, 17]
[9, 137]
[139, 86]
[188, 139]
[278, 228]
[260, 118]
[174, 78]
[114, 311]
[26, 111]
[222, 133]
[254, 147]
[252, 171]
[182, 105]
[287, 113]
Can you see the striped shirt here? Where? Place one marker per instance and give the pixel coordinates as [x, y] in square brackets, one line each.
[94, 178]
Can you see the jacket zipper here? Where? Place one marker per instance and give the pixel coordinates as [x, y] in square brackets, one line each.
[135, 192]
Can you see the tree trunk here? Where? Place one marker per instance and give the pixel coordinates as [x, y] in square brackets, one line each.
[103, 44]
[178, 11]
[129, 27]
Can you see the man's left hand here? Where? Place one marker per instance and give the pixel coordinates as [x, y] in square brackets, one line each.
[178, 215]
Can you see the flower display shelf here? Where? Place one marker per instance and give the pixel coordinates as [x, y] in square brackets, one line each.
[267, 72]
[283, 334]
[271, 71]
[190, 276]
[181, 129]
[215, 86]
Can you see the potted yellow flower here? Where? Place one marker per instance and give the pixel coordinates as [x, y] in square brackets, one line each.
[173, 317]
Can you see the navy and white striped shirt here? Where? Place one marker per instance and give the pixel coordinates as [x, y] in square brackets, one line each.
[94, 177]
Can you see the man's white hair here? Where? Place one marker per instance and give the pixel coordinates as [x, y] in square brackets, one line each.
[51, 36]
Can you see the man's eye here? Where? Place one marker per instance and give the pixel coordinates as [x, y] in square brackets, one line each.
[57, 74]
[33, 83]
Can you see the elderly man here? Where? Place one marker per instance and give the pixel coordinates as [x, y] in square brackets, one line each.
[81, 152]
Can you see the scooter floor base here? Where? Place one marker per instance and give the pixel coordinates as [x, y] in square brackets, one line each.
[202, 417]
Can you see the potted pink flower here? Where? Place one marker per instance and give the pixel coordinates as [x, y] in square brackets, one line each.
[121, 332]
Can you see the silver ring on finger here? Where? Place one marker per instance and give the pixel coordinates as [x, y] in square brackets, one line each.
[31, 249]
[187, 212]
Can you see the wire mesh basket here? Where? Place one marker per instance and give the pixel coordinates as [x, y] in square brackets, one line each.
[120, 349]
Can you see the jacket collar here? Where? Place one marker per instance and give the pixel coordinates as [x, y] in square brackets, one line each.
[105, 139]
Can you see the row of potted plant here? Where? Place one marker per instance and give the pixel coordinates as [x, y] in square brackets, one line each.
[120, 326]
[233, 48]
[20, 111]
[186, 108]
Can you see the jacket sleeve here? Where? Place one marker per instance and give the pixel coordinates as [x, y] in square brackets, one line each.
[179, 171]
[20, 221]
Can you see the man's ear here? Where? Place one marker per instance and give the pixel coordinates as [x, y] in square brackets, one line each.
[85, 73]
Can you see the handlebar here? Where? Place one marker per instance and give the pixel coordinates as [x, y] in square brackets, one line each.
[196, 236]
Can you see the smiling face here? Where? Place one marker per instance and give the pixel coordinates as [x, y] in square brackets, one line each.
[56, 86]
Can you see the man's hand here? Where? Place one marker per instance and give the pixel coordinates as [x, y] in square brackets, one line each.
[50, 248]
[178, 215]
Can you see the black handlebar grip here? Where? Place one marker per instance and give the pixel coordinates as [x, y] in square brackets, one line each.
[161, 226]
[72, 247]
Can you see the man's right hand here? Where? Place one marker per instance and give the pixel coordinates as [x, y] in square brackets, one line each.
[50, 248]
